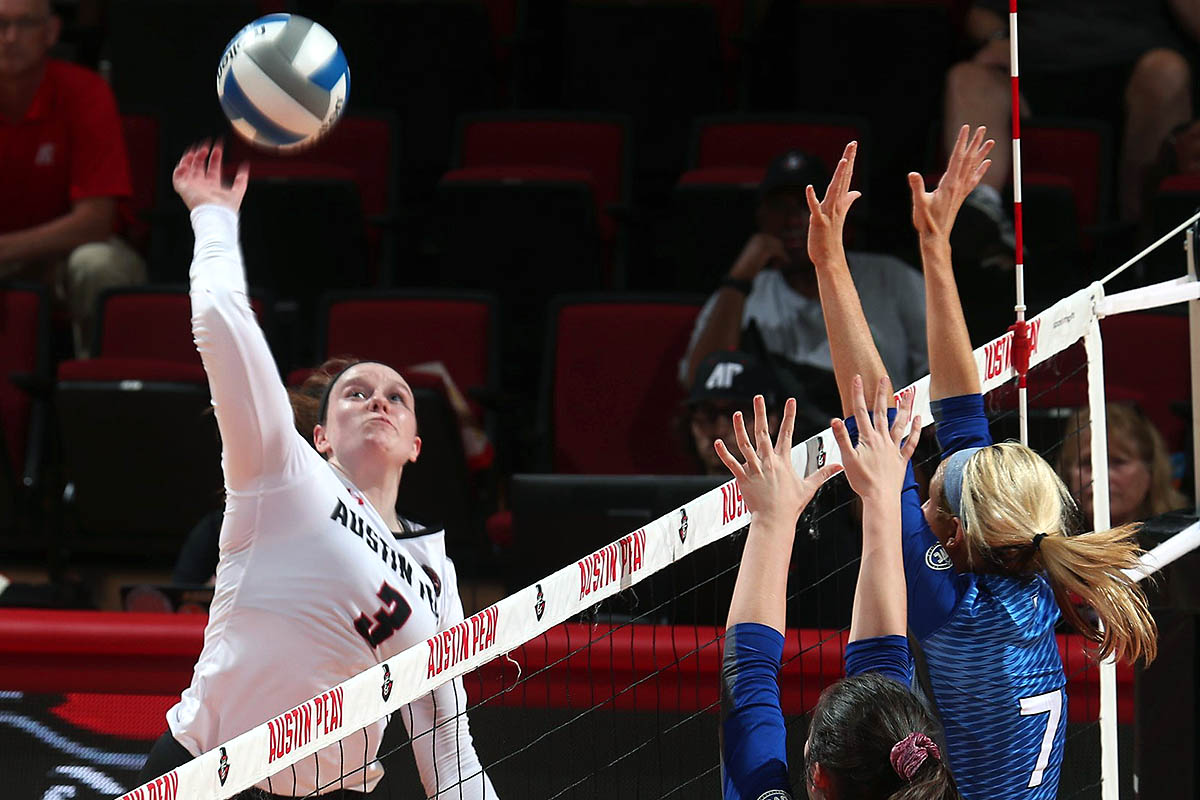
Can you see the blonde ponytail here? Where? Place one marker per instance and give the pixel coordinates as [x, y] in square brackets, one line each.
[1091, 566]
[1009, 496]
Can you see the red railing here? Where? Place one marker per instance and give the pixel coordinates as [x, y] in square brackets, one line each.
[643, 667]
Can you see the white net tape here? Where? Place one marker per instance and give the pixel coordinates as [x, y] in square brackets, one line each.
[495, 631]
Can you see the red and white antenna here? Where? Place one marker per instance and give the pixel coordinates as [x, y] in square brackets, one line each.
[1020, 344]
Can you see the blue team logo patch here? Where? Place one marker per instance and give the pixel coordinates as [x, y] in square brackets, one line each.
[937, 558]
[775, 794]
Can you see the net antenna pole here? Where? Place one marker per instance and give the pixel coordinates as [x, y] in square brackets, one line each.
[1101, 520]
[1020, 330]
[1194, 351]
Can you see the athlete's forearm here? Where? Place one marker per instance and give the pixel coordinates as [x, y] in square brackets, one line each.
[951, 361]
[880, 597]
[851, 345]
[251, 405]
[759, 594]
[443, 746]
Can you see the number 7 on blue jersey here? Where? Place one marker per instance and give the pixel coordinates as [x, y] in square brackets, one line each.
[1049, 703]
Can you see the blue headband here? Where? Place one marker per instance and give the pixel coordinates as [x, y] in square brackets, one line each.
[952, 478]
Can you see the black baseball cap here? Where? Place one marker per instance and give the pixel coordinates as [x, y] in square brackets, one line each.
[734, 376]
[793, 169]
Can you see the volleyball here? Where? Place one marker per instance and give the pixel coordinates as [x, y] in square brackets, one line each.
[283, 82]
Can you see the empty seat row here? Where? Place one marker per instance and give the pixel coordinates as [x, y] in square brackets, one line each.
[133, 422]
[530, 192]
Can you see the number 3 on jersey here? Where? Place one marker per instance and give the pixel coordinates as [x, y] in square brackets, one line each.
[1049, 703]
[388, 620]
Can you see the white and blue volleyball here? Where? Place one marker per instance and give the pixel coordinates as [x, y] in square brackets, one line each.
[283, 82]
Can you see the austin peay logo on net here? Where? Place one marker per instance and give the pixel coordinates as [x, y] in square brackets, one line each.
[683, 525]
[539, 606]
[387, 682]
[223, 769]
[817, 453]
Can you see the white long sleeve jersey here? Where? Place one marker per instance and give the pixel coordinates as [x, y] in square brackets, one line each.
[311, 586]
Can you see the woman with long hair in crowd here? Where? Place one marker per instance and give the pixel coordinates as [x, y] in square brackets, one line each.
[991, 558]
[1139, 469]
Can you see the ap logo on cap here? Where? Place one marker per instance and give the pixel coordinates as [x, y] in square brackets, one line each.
[723, 374]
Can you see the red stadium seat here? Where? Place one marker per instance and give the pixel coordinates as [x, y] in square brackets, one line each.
[755, 140]
[1079, 151]
[659, 62]
[611, 392]
[752, 141]
[486, 239]
[145, 397]
[142, 141]
[25, 331]
[712, 216]
[1148, 354]
[597, 144]
[406, 328]
[126, 314]
[403, 328]
[362, 148]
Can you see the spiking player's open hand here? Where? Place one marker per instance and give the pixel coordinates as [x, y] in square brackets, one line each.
[934, 212]
[768, 482]
[197, 178]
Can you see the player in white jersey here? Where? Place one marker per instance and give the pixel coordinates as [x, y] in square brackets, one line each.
[313, 585]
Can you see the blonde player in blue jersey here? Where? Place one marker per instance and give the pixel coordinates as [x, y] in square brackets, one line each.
[991, 558]
[870, 738]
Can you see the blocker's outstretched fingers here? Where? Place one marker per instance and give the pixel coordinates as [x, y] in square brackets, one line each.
[753, 465]
[762, 436]
[842, 437]
[882, 394]
[729, 461]
[783, 444]
[903, 412]
[848, 156]
[914, 438]
[814, 205]
[860, 407]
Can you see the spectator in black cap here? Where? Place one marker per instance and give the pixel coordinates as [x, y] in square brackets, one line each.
[769, 305]
[727, 381]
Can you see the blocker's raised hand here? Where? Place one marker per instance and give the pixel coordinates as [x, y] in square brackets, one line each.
[768, 482]
[828, 216]
[197, 178]
[934, 212]
[876, 466]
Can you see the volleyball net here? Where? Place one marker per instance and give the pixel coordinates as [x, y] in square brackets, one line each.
[602, 678]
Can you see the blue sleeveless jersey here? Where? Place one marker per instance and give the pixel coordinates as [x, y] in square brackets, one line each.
[753, 736]
[998, 683]
[994, 665]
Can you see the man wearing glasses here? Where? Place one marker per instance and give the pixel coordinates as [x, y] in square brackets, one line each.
[768, 304]
[63, 167]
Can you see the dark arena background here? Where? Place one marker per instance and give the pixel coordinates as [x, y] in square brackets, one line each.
[524, 209]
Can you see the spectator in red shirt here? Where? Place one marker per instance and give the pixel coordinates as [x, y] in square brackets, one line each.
[63, 168]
